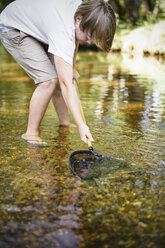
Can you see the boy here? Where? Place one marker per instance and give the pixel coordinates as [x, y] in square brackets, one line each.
[43, 37]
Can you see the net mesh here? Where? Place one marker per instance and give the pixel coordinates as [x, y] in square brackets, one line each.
[88, 165]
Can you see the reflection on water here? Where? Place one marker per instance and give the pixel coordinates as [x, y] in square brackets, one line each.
[42, 204]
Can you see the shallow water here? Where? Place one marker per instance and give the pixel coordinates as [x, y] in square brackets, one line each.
[42, 204]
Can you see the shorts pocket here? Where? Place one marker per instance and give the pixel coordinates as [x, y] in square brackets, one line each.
[14, 36]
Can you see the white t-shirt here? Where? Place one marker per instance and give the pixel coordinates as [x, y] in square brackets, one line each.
[49, 21]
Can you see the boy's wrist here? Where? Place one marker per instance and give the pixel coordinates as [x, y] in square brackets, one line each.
[81, 125]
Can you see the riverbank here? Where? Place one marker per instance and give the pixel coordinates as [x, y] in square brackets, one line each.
[149, 39]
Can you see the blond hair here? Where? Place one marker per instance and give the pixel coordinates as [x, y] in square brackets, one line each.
[98, 18]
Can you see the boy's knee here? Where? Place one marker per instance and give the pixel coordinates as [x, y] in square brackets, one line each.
[50, 84]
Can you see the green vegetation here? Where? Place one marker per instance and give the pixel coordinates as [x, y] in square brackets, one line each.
[4, 3]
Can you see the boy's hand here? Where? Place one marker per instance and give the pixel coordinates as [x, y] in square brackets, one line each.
[76, 76]
[85, 133]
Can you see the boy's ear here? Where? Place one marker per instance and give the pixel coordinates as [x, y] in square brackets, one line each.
[78, 20]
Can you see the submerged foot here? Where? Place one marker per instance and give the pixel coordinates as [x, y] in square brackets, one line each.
[33, 140]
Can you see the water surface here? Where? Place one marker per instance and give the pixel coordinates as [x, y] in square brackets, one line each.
[42, 204]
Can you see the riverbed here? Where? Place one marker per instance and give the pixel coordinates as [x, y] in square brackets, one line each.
[42, 203]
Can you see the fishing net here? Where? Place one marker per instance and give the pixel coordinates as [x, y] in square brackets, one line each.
[88, 165]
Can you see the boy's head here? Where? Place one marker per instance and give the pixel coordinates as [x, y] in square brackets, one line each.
[95, 22]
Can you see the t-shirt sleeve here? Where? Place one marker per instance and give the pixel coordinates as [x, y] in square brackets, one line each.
[62, 46]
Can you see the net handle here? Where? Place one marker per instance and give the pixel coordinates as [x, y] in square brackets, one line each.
[82, 115]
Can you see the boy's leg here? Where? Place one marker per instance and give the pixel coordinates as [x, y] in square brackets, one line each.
[38, 105]
[58, 101]
[60, 106]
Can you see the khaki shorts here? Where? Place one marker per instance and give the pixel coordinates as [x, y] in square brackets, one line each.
[30, 54]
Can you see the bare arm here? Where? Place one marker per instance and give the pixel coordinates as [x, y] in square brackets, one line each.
[76, 75]
[75, 54]
[65, 75]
